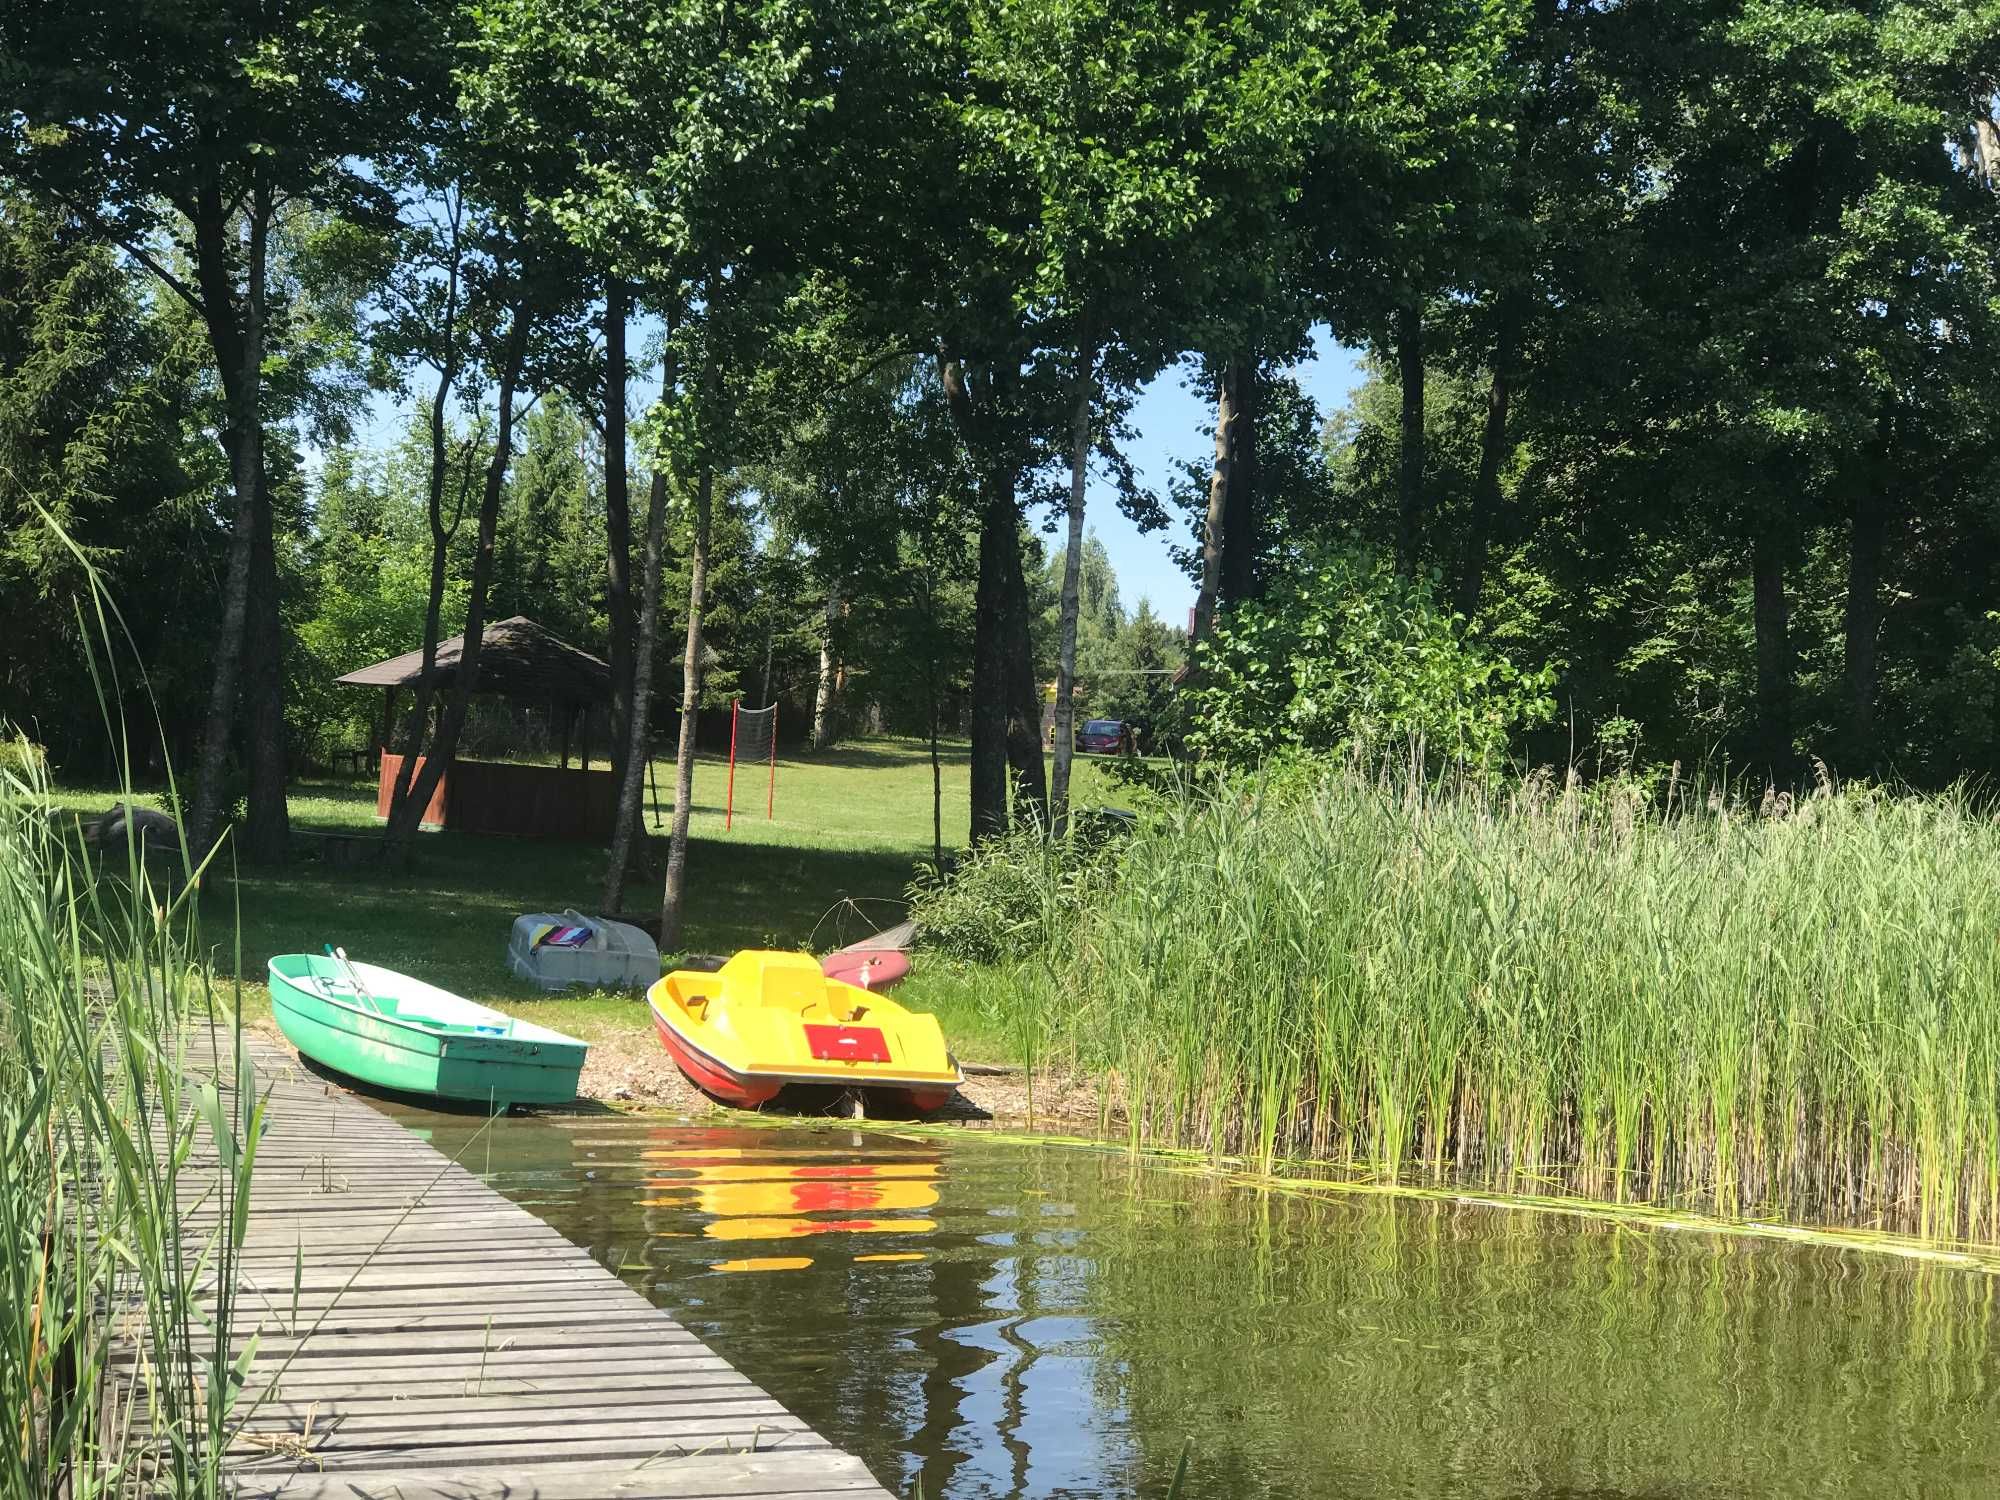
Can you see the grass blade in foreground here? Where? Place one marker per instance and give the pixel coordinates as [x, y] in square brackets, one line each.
[116, 1368]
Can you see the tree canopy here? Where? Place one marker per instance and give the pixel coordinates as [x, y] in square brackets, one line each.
[1676, 321]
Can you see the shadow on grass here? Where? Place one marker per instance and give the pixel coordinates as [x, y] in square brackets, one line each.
[447, 918]
[873, 757]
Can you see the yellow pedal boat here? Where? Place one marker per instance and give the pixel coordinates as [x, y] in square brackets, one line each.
[766, 1019]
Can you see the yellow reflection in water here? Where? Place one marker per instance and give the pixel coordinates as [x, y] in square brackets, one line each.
[897, 1255]
[735, 1199]
[695, 1155]
[782, 1229]
[798, 1172]
[752, 1193]
[764, 1263]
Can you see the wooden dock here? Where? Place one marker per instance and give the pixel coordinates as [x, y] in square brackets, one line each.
[442, 1343]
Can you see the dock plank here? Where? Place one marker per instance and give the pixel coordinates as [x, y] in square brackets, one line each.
[422, 1337]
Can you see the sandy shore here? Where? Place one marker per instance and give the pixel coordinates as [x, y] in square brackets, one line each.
[634, 1074]
[638, 1075]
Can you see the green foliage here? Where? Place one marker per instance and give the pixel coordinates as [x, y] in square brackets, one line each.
[549, 562]
[1350, 656]
[1012, 898]
[100, 413]
[22, 758]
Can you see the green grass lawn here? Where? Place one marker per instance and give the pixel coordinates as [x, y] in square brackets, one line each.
[850, 825]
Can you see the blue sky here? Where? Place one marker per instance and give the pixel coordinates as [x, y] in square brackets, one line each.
[1172, 426]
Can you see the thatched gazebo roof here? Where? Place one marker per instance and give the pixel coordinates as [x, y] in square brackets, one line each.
[517, 659]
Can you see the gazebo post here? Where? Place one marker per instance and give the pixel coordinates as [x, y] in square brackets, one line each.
[586, 737]
[567, 714]
[388, 719]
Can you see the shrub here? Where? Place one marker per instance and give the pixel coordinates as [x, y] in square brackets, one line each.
[1012, 897]
[1345, 655]
[23, 758]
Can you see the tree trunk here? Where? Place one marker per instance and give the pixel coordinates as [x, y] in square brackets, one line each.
[632, 763]
[267, 833]
[1775, 668]
[1486, 487]
[1410, 495]
[937, 786]
[1986, 129]
[675, 896]
[1239, 521]
[617, 528]
[822, 731]
[1215, 524]
[1863, 622]
[267, 823]
[1006, 710]
[420, 708]
[405, 815]
[237, 336]
[1079, 471]
[441, 536]
[770, 645]
[931, 707]
[997, 520]
[1027, 774]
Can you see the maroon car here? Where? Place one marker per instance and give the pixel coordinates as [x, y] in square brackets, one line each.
[1101, 737]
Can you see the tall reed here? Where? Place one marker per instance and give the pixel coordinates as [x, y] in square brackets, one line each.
[115, 1324]
[1793, 1012]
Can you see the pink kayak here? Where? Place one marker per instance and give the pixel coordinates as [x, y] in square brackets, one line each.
[869, 968]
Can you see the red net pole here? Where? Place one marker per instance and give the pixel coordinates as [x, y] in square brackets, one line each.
[771, 793]
[729, 803]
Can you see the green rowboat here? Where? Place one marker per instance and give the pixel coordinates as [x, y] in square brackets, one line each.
[397, 1032]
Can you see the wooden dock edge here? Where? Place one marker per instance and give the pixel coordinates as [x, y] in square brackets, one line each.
[420, 1337]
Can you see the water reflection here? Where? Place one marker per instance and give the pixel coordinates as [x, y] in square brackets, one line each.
[764, 1263]
[776, 1193]
[1005, 1320]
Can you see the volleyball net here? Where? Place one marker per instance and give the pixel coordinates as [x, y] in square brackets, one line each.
[753, 741]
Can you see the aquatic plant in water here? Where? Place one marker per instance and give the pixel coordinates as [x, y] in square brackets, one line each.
[1791, 1011]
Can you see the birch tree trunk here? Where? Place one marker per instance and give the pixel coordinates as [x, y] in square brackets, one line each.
[1986, 129]
[632, 766]
[822, 729]
[674, 898]
[1215, 523]
[617, 525]
[1239, 519]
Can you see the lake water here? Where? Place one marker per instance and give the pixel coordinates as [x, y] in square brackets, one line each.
[1007, 1319]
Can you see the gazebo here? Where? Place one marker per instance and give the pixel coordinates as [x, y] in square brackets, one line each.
[521, 661]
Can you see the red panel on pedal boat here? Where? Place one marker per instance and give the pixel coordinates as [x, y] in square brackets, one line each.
[847, 1043]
